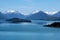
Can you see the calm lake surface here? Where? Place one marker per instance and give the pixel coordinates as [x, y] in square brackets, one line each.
[29, 31]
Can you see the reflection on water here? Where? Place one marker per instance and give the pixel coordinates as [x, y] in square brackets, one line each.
[28, 31]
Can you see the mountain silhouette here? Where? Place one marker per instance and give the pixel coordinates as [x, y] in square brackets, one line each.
[57, 14]
[37, 16]
[2, 16]
[10, 15]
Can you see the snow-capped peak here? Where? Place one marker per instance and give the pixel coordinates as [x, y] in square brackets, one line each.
[51, 13]
[11, 11]
[35, 11]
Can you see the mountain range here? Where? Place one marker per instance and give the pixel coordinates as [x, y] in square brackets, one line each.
[10, 15]
[2, 16]
[39, 15]
[36, 16]
[57, 14]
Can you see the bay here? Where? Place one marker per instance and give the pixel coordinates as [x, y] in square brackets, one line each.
[29, 31]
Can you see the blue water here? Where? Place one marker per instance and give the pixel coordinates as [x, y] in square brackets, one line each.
[29, 31]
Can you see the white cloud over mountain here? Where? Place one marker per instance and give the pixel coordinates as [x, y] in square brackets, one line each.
[11, 11]
[35, 11]
[51, 13]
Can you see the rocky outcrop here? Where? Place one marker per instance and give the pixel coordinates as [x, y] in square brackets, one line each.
[55, 24]
[17, 20]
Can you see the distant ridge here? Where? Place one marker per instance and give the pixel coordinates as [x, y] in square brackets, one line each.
[37, 16]
[2, 16]
[57, 14]
[15, 14]
[40, 15]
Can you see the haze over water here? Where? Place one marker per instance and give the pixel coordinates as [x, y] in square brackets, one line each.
[28, 31]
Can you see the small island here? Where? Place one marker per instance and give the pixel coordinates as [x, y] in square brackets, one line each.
[17, 20]
[55, 24]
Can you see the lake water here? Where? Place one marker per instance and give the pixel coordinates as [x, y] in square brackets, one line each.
[29, 31]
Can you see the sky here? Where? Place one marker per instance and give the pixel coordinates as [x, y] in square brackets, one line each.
[29, 6]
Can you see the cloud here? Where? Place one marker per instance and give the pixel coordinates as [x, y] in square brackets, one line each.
[26, 10]
[51, 13]
[11, 11]
[35, 11]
